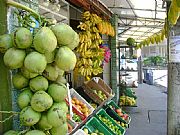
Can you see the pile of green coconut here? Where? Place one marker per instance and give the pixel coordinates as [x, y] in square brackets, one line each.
[40, 61]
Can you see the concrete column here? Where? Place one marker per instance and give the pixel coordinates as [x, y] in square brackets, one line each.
[113, 69]
[174, 85]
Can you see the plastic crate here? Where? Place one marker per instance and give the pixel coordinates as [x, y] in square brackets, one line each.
[104, 114]
[75, 110]
[112, 103]
[89, 85]
[116, 117]
[79, 132]
[85, 127]
[72, 124]
[93, 124]
[76, 95]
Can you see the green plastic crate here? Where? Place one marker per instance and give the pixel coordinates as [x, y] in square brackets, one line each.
[93, 124]
[103, 113]
[112, 103]
[89, 131]
[116, 117]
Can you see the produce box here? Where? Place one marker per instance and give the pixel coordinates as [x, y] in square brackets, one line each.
[116, 118]
[109, 123]
[103, 84]
[115, 109]
[94, 125]
[79, 104]
[97, 93]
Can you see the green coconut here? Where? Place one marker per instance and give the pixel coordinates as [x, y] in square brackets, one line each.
[50, 56]
[35, 62]
[11, 132]
[28, 74]
[19, 81]
[51, 72]
[64, 34]
[62, 105]
[45, 40]
[41, 101]
[65, 59]
[43, 122]
[61, 79]
[22, 38]
[74, 43]
[29, 117]
[24, 98]
[56, 116]
[35, 132]
[14, 58]
[5, 42]
[60, 71]
[63, 130]
[38, 83]
[58, 92]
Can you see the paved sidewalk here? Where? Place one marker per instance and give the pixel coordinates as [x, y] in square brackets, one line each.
[150, 117]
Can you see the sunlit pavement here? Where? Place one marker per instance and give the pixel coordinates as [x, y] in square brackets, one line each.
[150, 117]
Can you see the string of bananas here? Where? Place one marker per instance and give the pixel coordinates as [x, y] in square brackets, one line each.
[90, 54]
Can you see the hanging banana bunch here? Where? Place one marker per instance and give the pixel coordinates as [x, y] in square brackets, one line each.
[90, 54]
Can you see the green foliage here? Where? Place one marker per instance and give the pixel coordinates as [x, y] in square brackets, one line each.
[154, 61]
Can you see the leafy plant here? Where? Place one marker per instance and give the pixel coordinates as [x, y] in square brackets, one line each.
[154, 61]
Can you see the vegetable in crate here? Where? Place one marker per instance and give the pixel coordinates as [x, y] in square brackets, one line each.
[109, 124]
[96, 132]
[80, 106]
[100, 94]
[124, 116]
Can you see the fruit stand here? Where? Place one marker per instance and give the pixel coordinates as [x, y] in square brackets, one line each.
[41, 54]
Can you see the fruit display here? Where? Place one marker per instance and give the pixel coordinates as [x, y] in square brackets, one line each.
[40, 59]
[91, 55]
[100, 94]
[121, 124]
[76, 118]
[127, 101]
[119, 111]
[79, 105]
[93, 105]
[96, 132]
[110, 125]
